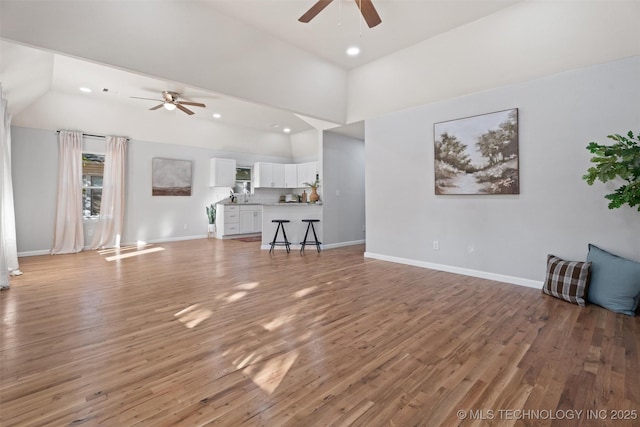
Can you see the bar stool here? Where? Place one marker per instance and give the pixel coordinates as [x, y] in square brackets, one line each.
[275, 241]
[315, 236]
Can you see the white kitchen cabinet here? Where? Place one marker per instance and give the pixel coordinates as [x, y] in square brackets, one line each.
[250, 219]
[236, 220]
[278, 176]
[306, 173]
[222, 172]
[291, 176]
[227, 220]
[262, 174]
[269, 175]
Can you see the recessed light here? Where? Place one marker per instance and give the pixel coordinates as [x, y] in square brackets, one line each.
[353, 51]
[286, 130]
[85, 90]
[217, 115]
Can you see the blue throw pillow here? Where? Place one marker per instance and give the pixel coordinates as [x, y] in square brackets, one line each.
[615, 281]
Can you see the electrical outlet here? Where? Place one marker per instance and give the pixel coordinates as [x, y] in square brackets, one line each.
[185, 226]
[337, 193]
[364, 228]
[436, 245]
[90, 232]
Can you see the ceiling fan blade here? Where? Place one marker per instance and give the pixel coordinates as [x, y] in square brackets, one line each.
[150, 99]
[184, 109]
[314, 10]
[157, 106]
[369, 12]
[195, 104]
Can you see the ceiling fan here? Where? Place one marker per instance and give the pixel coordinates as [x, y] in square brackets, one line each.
[170, 102]
[366, 7]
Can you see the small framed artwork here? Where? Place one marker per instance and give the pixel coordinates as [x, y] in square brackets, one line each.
[171, 177]
[477, 155]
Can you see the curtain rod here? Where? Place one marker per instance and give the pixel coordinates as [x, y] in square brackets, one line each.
[93, 136]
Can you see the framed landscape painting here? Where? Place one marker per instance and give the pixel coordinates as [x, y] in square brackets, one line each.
[170, 177]
[477, 155]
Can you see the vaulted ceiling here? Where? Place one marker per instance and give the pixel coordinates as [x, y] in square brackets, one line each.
[243, 58]
[253, 62]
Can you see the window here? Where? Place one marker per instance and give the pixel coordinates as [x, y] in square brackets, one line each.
[92, 171]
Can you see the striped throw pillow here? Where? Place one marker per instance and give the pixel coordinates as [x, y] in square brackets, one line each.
[567, 280]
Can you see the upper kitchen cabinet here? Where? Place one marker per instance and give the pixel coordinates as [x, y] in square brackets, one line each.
[306, 173]
[277, 175]
[269, 175]
[291, 176]
[222, 172]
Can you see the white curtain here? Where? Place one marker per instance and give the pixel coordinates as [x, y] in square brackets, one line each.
[8, 242]
[109, 228]
[68, 234]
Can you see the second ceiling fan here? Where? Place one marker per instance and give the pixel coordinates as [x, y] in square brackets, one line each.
[366, 7]
[170, 102]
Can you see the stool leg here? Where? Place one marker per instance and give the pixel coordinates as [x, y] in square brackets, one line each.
[273, 242]
[286, 241]
[304, 242]
[315, 237]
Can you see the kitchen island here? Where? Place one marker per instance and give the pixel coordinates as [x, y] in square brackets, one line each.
[295, 213]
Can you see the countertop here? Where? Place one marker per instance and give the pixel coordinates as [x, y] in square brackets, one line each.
[270, 204]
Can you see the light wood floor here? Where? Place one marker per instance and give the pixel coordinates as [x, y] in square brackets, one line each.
[211, 332]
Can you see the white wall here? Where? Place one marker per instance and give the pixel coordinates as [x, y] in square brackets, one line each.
[556, 211]
[147, 218]
[343, 195]
[528, 40]
[305, 146]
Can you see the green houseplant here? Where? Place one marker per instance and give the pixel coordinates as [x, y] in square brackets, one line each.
[620, 160]
[211, 215]
[313, 197]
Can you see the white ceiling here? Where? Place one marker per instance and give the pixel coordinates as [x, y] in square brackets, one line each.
[339, 25]
[404, 23]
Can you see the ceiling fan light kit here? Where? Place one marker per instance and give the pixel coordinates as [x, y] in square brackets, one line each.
[368, 11]
[170, 102]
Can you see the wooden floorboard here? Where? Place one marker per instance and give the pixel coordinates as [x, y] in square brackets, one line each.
[218, 332]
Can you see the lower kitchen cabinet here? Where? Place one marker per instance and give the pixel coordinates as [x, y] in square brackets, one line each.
[250, 219]
[236, 220]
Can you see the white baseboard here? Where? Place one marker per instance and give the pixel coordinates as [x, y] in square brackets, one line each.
[458, 270]
[174, 239]
[322, 247]
[342, 244]
[34, 253]
[87, 248]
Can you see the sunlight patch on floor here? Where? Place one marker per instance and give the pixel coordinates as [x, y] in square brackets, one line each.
[270, 374]
[235, 297]
[193, 315]
[132, 254]
[305, 291]
[249, 285]
[139, 245]
[278, 321]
